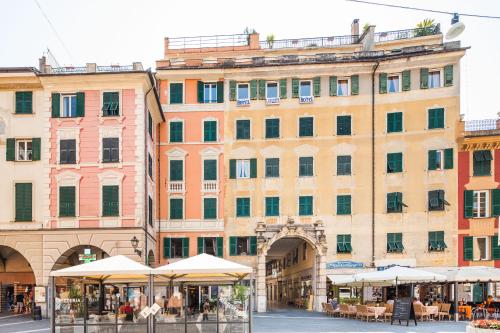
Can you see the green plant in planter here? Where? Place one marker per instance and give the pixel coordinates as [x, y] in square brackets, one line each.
[425, 27]
[270, 40]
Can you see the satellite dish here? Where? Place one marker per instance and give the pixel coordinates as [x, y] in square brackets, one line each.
[456, 29]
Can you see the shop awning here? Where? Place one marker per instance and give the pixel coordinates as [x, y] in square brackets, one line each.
[468, 273]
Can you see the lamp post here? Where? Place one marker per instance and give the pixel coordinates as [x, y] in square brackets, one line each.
[135, 242]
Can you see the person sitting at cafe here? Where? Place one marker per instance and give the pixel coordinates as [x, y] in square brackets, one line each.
[334, 303]
[128, 311]
[390, 301]
[416, 301]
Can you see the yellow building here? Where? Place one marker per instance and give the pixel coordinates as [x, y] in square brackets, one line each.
[339, 153]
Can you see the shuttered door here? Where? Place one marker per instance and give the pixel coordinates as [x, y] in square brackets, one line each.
[24, 202]
[468, 248]
[468, 204]
[166, 247]
[233, 246]
[220, 247]
[185, 247]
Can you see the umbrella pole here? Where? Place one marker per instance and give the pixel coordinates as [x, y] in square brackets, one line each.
[455, 296]
[396, 288]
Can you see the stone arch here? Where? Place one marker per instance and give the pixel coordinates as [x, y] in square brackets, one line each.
[14, 266]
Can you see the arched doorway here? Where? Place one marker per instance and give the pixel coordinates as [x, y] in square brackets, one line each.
[16, 277]
[78, 255]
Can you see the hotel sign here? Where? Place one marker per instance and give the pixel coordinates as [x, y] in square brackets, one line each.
[344, 264]
[243, 102]
[306, 100]
[273, 100]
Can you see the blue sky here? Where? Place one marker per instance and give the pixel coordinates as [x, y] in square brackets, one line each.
[123, 31]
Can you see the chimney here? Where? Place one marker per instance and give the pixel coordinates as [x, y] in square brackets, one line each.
[355, 27]
[41, 64]
[368, 38]
[91, 67]
[137, 66]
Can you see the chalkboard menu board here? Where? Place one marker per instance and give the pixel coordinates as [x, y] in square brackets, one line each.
[403, 310]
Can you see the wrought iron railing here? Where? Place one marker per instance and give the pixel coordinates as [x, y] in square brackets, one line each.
[331, 41]
[115, 68]
[199, 42]
[387, 36]
[69, 70]
[481, 125]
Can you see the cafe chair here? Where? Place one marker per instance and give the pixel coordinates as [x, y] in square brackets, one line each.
[444, 311]
[388, 312]
[420, 311]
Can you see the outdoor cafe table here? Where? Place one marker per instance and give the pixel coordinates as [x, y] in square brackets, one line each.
[432, 310]
[378, 310]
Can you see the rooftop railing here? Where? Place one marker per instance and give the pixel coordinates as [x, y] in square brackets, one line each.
[114, 68]
[481, 125]
[91, 69]
[199, 42]
[69, 70]
[331, 41]
[388, 36]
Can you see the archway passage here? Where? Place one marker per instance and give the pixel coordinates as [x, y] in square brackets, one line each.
[290, 274]
[16, 277]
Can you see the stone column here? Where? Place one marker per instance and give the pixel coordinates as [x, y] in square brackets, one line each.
[320, 273]
[261, 283]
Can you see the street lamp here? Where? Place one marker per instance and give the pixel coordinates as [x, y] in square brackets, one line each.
[135, 242]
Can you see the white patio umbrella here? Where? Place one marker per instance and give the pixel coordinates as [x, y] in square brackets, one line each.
[468, 273]
[399, 274]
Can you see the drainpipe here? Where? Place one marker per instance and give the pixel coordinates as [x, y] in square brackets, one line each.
[157, 183]
[373, 162]
[146, 196]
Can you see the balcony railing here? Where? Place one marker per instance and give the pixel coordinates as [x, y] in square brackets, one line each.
[481, 125]
[176, 186]
[331, 41]
[388, 36]
[210, 186]
[208, 41]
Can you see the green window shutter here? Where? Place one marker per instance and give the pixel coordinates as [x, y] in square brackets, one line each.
[209, 208]
[394, 122]
[431, 160]
[253, 89]
[295, 88]
[220, 247]
[36, 147]
[24, 202]
[232, 90]
[200, 91]
[448, 158]
[242, 207]
[253, 245]
[448, 75]
[67, 201]
[24, 102]
[424, 78]
[344, 125]
[80, 104]
[176, 170]
[176, 209]
[354, 84]
[262, 89]
[382, 83]
[10, 152]
[436, 118]
[406, 80]
[166, 247]
[201, 242]
[209, 169]
[233, 246]
[220, 91]
[468, 204]
[232, 169]
[56, 105]
[283, 93]
[272, 206]
[317, 86]
[495, 249]
[176, 93]
[468, 248]
[495, 202]
[185, 247]
[333, 86]
[176, 131]
[253, 168]
[110, 201]
[305, 205]
[394, 162]
[343, 204]
[210, 131]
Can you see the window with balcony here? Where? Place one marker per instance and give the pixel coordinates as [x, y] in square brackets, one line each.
[243, 129]
[209, 170]
[344, 165]
[240, 246]
[242, 207]
[306, 167]
[272, 206]
[110, 150]
[176, 93]
[343, 205]
[344, 244]
[272, 167]
[343, 125]
[67, 200]
[176, 131]
[394, 162]
[110, 104]
[175, 247]
[482, 162]
[305, 205]
[395, 242]
[210, 208]
[24, 102]
[176, 208]
[272, 128]
[306, 126]
[110, 200]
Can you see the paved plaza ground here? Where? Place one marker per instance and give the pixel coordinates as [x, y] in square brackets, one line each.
[274, 321]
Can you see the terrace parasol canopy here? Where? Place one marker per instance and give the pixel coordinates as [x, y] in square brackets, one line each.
[468, 274]
[203, 267]
[397, 275]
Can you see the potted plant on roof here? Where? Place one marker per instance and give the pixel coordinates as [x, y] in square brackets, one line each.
[425, 27]
[270, 40]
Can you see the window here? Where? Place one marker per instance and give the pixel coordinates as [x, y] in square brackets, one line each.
[176, 170]
[176, 131]
[434, 80]
[24, 149]
[305, 205]
[110, 200]
[209, 93]
[150, 166]
[67, 153]
[67, 201]
[243, 91]
[243, 169]
[69, 106]
[393, 83]
[343, 165]
[344, 244]
[242, 207]
[272, 167]
[209, 208]
[175, 247]
[304, 251]
[272, 128]
[306, 168]
[343, 87]
[395, 202]
[481, 248]
[24, 202]
[209, 169]
[436, 200]
[242, 129]
[271, 90]
[395, 242]
[242, 246]
[436, 241]
[24, 102]
[176, 209]
[343, 205]
[110, 104]
[440, 159]
[176, 93]
[150, 125]
[436, 118]
[343, 125]
[210, 131]
[305, 89]
[482, 162]
[394, 162]
[272, 206]
[210, 245]
[480, 204]
[306, 126]
[110, 150]
[394, 122]
[150, 211]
